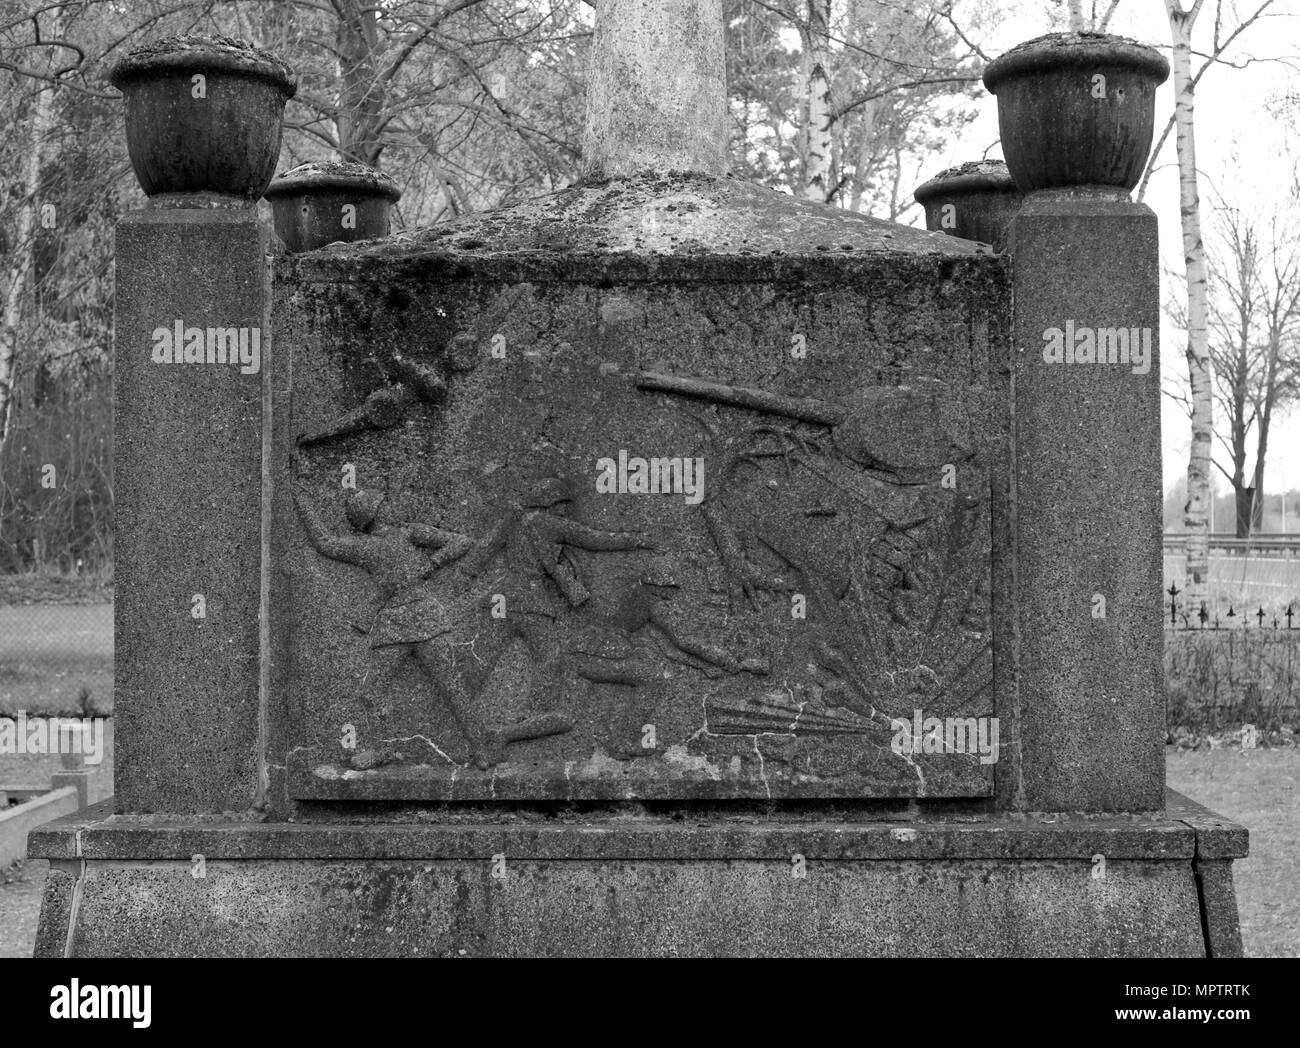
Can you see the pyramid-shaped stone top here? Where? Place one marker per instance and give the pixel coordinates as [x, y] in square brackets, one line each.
[671, 215]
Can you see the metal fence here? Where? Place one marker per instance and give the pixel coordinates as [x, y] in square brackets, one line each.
[1254, 583]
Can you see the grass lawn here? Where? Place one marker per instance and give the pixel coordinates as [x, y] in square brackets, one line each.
[51, 656]
[1261, 790]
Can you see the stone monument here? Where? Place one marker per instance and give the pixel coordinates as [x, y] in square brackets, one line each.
[668, 566]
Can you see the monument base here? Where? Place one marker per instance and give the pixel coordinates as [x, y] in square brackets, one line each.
[1038, 885]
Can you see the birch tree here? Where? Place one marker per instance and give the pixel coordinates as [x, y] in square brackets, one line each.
[818, 124]
[22, 253]
[1225, 35]
[1196, 513]
[876, 81]
[1096, 21]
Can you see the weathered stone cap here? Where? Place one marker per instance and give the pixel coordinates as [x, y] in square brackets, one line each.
[1054, 50]
[199, 51]
[337, 174]
[668, 215]
[964, 178]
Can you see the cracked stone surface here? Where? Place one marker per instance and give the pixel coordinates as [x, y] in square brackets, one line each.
[499, 626]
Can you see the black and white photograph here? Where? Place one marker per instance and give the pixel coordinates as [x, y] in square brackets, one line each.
[571, 479]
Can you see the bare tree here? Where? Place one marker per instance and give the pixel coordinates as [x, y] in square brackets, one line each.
[21, 256]
[1279, 379]
[1224, 38]
[1253, 324]
[1234, 349]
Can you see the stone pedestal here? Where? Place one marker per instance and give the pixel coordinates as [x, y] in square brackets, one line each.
[731, 833]
[779, 886]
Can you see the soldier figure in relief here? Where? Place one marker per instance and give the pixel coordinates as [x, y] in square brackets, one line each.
[429, 613]
[415, 613]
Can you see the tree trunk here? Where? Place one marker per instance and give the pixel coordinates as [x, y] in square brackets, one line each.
[20, 262]
[817, 173]
[360, 101]
[863, 167]
[1261, 446]
[1279, 324]
[1196, 514]
[1240, 372]
[1076, 16]
[1244, 500]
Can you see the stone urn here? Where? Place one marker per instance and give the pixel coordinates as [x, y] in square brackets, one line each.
[203, 118]
[319, 203]
[975, 201]
[1076, 109]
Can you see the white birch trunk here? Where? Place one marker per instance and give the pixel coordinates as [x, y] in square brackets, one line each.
[817, 171]
[20, 263]
[1196, 514]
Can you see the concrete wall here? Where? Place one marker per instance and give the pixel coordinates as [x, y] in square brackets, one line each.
[17, 822]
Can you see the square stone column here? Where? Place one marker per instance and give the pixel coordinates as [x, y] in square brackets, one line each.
[1086, 494]
[189, 434]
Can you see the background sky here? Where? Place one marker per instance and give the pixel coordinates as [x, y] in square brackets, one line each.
[1233, 118]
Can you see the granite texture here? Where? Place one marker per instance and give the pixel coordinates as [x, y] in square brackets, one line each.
[642, 908]
[450, 832]
[56, 909]
[1219, 916]
[189, 454]
[1087, 502]
[1002, 886]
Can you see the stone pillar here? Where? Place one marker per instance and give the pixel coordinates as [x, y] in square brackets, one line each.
[657, 90]
[189, 452]
[1087, 502]
[1075, 113]
[191, 350]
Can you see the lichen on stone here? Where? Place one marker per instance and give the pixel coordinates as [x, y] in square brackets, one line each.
[972, 176]
[200, 51]
[333, 174]
[1055, 50]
